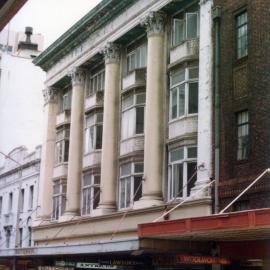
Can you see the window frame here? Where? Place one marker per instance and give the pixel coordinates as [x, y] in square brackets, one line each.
[177, 86]
[130, 113]
[128, 202]
[59, 199]
[138, 55]
[239, 126]
[96, 83]
[184, 162]
[96, 123]
[62, 146]
[87, 207]
[239, 49]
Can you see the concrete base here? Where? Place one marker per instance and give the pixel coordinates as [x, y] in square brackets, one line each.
[41, 221]
[147, 201]
[69, 216]
[104, 209]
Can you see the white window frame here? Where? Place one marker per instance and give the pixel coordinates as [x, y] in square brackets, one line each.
[130, 177]
[87, 207]
[96, 83]
[241, 51]
[184, 161]
[59, 199]
[130, 113]
[96, 123]
[140, 60]
[62, 142]
[186, 83]
[185, 27]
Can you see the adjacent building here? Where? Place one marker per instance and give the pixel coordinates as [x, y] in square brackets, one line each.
[19, 178]
[20, 101]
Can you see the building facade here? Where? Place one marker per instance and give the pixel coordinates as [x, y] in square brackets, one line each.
[20, 103]
[19, 178]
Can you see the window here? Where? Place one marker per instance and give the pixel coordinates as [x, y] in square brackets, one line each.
[242, 135]
[59, 199]
[31, 197]
[182, 166]
[93, 132]
[1, 204]
[62, 145]
[183, 92]
[242, 35]
[20, 237]
[10, 202]
[21, 200]
[65, 101]
[29, 236]
[97, 83]
[90, 193]
[185, 27]
[137, 58]
[130, 187]
[132, 115]
[8, 236]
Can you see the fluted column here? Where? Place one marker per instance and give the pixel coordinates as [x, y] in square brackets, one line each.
[75, 143]
[110, 130]
[154, 124]
[205, 100]
[47, 157]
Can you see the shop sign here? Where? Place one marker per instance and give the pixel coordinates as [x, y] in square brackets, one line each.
[54, 268]
[95, 265]
[187, 259]
[25, 251]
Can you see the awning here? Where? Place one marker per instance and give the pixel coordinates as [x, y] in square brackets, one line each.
[237, 226]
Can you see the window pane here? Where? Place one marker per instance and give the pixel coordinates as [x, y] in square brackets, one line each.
[177, 76]
[242, 35]
[99, 137]
[140, 98]
[178, 180]
[193, 98]
[192, 24]
[191, 167]
[131, 61]
[174, 103]
[127, 101]
[138, 167]
[139, 120]
[122, 193]
[137, 187]
[177, 154]
[125, 169]
[143, 56]
[96, 197]
[192, 152]
[97, 179]
[128, 192]
[181, 100]
[87, 180]
[193, 73]
[178, 31]
[243, 135]
[66, 151]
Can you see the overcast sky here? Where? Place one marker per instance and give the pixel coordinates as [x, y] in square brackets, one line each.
[51, 18]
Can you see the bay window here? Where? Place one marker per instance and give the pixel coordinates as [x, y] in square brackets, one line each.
[183, 92]
[62, 145]
[97, 83]
[59, 198]
[137, 58]
[185, 27]
[90, 193]
[182, 166]
[132, 115]
[130, 186]
[64, 101]
[93, 132]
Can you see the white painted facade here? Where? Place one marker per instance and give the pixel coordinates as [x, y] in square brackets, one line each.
[19, 178]
[21, 104]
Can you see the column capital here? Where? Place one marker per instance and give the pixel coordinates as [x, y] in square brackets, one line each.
[77, 75]
[154, 23]
[49, 95]
[111, 53]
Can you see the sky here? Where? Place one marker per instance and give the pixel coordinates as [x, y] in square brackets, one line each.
[51, 18]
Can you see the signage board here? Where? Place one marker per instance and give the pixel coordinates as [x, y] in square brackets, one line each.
[95, 265]
[187, 259]
[54, 268]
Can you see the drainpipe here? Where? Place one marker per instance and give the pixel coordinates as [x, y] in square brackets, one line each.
[217, 20]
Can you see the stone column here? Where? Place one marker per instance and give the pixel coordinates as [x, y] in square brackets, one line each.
[75, 154]
[110, 138]
[47, 156]
[205, 100]
[154, 123]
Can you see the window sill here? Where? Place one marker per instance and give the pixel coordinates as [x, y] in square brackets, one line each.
[61, 164]
[132, 137]
[172, 47]
[193, 115]
[93, 152]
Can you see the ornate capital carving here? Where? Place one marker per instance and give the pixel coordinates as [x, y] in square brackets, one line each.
[111, 53]
[154, 23]
[77, 76]
[49, 95]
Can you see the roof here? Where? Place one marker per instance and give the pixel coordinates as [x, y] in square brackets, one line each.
[97, 17]
[244, 225]
[8, 8]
